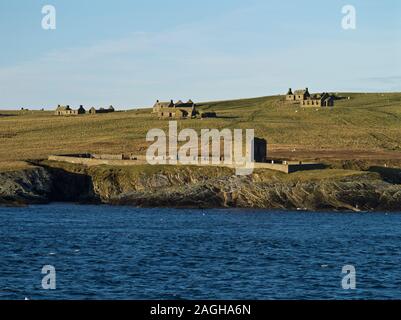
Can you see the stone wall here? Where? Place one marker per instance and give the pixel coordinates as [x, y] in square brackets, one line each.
[96, 162]
[282, 166]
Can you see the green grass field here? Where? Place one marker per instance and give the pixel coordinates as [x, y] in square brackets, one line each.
[365, 126]
[260, 174]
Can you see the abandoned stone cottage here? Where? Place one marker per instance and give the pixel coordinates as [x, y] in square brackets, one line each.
[93, 110]
[67, 111]
[178, 110]
[305, 99]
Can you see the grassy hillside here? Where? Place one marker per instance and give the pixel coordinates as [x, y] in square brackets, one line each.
[365, 126]
[130, 173]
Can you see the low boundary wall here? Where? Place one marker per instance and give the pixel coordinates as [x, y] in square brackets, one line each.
[96, 162]
[285, 167]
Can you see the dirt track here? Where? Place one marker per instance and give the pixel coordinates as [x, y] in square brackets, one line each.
[276, 151]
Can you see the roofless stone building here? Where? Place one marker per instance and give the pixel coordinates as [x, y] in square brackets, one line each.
[178, 110]
[305, 99]
[93, 110]
[67, 111]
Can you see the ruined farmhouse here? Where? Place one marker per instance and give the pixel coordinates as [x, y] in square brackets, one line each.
[305, 99]
[177, 110]
[93, 110]
[67, 111]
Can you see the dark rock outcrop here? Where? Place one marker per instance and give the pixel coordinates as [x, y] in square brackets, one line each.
[198, 187]
[33, 185]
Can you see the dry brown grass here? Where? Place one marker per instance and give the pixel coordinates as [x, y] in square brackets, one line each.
[13, 165]
[365, 123]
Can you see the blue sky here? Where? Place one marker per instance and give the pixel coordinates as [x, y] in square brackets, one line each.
[129, 53]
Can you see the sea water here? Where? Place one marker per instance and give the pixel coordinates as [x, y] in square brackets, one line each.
[105, 252]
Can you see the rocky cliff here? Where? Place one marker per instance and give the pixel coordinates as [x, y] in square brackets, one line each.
[32, 185]
[201, 187]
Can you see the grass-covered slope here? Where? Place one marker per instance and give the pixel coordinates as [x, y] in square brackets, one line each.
[365, 126]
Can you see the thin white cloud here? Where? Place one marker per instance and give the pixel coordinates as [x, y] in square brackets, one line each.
[201, 60]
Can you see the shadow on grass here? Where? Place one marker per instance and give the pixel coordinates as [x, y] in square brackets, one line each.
[223, 117]
[7, 115]
[391, 175]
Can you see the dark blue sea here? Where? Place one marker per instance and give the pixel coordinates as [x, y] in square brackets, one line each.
[104, 252]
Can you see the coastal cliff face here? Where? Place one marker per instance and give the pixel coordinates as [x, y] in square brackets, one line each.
[201, 187]
[32, 185]
[180, 189]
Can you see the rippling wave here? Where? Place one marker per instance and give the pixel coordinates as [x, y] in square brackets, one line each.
[103, 252]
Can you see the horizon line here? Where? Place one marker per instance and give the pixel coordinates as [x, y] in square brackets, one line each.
[50, 108]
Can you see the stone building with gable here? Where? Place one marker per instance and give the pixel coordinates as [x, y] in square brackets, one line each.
[305, 99]
[178, 110]
[67, 111]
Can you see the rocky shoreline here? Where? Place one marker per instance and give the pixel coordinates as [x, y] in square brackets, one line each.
[199, 187]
